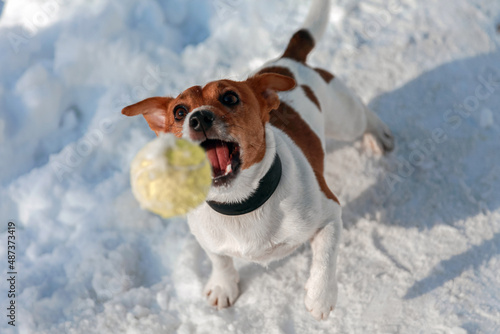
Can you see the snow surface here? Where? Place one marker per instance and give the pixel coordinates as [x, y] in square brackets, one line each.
[420, 252]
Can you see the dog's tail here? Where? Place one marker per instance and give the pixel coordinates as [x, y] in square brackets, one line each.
[302, 42]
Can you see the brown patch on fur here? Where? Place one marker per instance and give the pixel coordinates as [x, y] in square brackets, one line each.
[327, 76]
[154, 111]
[310, 95]
[299, 46]
[289, 121]
[279, 70]
[264, 87]
[250, 134]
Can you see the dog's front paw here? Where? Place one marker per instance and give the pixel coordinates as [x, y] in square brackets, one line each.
[221, 292]
[320, 298]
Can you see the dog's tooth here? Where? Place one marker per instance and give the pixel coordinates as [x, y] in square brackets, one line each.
[229, 169]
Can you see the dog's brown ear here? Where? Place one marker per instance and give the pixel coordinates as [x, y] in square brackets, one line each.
[266, 85]
[154, 110]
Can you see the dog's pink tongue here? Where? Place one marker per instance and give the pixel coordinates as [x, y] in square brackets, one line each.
[218, 154]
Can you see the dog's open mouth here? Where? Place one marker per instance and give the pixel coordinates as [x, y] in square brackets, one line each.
[224, 158]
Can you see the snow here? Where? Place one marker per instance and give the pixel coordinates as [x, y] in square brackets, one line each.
[420, 252]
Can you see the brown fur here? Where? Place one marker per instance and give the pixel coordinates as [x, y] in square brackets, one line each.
[289, 121]
[286, 72]
[299, 46]
[311, 96]
[279, 70]
[153, 111]
[327, 76]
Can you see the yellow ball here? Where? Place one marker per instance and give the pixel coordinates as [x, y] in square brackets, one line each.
[170, 176]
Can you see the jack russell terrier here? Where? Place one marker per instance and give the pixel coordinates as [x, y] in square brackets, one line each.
[265, 140]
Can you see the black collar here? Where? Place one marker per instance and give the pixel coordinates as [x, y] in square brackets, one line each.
[267, 186]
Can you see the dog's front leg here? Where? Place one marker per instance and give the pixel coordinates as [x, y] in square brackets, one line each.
[321, 287]
[222, 287]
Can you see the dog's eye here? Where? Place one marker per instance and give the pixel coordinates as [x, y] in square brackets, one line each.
[180, 112]
[230, 98]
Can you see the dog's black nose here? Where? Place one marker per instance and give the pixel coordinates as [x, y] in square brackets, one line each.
[201, 120]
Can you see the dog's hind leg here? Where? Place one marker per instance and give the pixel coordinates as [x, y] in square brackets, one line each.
[379, 132]
[347, 118]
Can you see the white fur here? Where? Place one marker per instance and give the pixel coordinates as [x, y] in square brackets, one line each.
[298, 210]
[290, 217]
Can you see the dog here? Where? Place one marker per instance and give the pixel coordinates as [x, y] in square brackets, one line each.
[265, 140]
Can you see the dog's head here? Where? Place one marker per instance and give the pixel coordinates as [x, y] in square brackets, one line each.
[226, 117]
